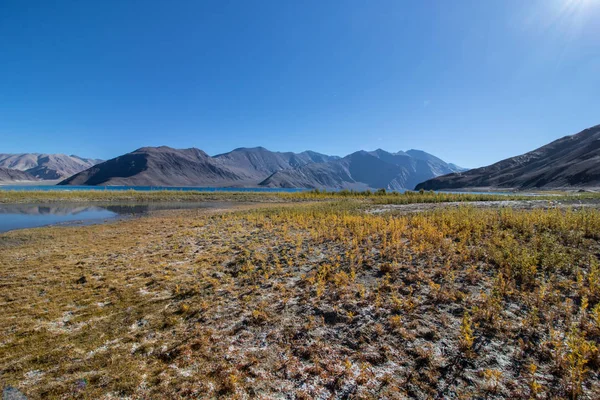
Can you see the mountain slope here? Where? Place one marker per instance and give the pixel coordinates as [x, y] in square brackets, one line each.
[363, 170]
[14, 175]
[164, 166]
[257, 163]
[437, 165]
[252, 167]
[569, 162]
[47, 166]
[158, 166]
[317, 175]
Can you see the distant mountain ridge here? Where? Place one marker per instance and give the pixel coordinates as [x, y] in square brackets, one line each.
[257, 162]
[156, 166]
[47, 166]
[259, 167]
[365, 170]
[14, 175]
[570, 162]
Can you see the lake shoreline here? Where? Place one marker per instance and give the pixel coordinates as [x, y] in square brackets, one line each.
[379, 197]
[17, 216]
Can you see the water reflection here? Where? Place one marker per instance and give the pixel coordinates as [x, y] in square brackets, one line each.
[19, 216]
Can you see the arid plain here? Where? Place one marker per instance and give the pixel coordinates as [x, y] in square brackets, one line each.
[308, 295]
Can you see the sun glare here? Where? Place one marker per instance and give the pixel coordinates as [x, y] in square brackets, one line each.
[579, 4]
[571, 16]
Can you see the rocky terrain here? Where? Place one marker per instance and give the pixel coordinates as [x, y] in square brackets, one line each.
[165, 166]
[158, 166]
[363, 170]
[47, 166]
[8, 175]
[570, 162]
[258, 162]
[307, 301]
[255, 167]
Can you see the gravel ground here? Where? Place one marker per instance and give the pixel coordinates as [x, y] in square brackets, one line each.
[516, 204]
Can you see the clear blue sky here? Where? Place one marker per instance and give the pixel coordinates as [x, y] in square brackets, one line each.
[469, 81]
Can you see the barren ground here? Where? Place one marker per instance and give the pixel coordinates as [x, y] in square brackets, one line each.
[309, 300]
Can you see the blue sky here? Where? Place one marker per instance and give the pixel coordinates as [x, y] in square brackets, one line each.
[472, 82]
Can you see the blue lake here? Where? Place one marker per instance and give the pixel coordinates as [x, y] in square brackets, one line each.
[143, 188]
[199, 189]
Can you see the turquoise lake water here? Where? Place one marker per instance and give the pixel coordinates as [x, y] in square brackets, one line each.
[143, 188]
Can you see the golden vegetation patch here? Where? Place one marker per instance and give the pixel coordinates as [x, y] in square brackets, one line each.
[369, 197]
[307, 301]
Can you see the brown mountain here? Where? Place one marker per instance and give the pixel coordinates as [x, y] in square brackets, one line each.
[364, 170]
[47, 166]
[158, 166]
[165, 166]
[253, 167]
[14, 175]
[258, 162]
[570, 162]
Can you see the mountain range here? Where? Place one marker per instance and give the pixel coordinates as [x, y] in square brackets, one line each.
[365, 170]
[46, 166]
[14, 175]
[259, 167]
[572, 161]
[567, 163]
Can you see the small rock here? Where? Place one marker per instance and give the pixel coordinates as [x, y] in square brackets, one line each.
[10, 393]
[81, 280]
[142, 322]
[80, 384]
[331, 316]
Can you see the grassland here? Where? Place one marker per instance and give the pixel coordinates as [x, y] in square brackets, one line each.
[379, 197]
[311, 300]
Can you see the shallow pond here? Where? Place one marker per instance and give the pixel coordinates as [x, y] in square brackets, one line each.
[21, 216]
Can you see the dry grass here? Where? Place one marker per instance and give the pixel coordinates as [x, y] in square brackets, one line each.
[31, 196]
[307, 301]
[379, 197]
